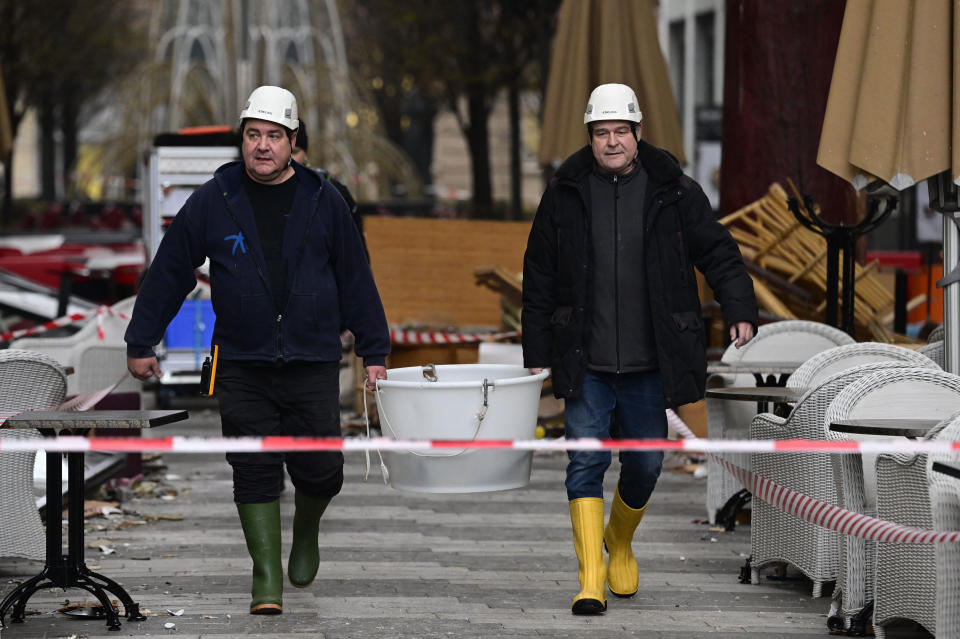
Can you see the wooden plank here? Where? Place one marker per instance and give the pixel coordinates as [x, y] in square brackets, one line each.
[424, 268]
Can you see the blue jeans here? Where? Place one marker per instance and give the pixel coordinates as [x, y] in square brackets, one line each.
[636, 399]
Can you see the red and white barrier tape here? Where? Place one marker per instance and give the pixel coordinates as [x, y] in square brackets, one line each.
[439, 337]
[846, 522]
[66, 320]
[293, 444]
[818, 512]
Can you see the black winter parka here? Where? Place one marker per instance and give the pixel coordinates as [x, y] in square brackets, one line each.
[680, 232]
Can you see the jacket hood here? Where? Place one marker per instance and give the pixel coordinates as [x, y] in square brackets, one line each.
[661, 166]
[230, 176]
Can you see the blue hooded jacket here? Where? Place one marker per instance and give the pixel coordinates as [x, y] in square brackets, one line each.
[330, 283]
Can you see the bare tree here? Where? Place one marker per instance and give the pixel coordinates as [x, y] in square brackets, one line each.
[57, 55]
[461, 54]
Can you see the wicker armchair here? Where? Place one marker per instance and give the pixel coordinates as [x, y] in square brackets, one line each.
[906, 574]
[902, 392]
[778, 537]
[945, 507]
[93, 369]
[795, 340]
[831, 361]
[936, 334]
[28, 381]
[933, 350]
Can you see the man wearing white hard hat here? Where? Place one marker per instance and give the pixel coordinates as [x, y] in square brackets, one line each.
[287, 274]
[610, 304]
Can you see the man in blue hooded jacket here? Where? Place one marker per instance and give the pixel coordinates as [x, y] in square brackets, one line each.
[287, 274]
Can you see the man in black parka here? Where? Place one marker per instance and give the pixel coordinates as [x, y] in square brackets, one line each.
[610, 304]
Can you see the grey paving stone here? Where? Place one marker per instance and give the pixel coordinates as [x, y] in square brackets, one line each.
[413, 565]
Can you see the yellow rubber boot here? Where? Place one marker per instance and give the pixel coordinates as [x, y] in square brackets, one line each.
[586, 515]
[622, 573]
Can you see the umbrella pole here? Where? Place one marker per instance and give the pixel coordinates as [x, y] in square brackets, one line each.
[951, 292]
[945, 199]
[848, 236]
[842, 237]
[833, 280]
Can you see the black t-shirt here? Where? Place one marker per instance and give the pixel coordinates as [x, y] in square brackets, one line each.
[271, 205]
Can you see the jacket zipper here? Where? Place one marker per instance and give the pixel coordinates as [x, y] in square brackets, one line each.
[616, 263]
[296, 271]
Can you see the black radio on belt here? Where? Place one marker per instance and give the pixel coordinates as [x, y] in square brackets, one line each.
[208, 373]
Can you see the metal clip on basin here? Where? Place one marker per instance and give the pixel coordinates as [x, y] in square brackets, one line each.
[430, 372]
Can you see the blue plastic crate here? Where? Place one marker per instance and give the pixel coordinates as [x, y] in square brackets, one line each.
[192, 327]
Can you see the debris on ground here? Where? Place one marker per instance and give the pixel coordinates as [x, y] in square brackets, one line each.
[87, 609]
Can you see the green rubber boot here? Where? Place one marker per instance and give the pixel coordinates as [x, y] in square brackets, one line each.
[305, 552]
[261, 529]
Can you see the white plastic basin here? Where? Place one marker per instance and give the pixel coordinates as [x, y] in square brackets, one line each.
[466, 402]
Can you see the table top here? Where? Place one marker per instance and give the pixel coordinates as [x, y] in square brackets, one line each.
[752, 368]
[781, 394]
[889, 426]
[947, 469]
[85, 420]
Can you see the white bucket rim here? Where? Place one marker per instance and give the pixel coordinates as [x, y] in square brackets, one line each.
[439, 385]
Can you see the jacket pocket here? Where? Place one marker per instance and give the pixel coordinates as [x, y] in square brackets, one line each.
[561, 316]
[688, 366]
[687, 320]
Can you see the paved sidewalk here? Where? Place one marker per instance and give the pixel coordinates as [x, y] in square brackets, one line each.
[398, 564]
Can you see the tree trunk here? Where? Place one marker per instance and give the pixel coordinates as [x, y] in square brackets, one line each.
[479, 142]
[69, 115]
[515, 212]
[6, 215]
[48, 152]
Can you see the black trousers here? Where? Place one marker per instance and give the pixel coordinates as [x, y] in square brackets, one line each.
[297, 399]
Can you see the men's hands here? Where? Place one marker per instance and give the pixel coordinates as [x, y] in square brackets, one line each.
[143, 368]
[537, 370]
[741, 333]
[373, 374]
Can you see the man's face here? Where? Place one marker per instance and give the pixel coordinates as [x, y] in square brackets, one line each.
[614, 145]
[266, 151]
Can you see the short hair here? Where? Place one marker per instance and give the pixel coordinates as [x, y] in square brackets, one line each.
[302, 141]
[633, 128]
[243, 125]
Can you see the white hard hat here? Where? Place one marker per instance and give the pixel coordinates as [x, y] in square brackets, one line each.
[612, 102]
[273, 104]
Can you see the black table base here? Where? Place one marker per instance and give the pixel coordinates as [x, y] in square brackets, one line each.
[68, 571]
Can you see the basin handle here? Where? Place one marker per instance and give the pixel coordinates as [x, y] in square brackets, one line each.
[430, 372]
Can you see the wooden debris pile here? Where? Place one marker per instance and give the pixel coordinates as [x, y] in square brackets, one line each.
[510, 287]
[775, 243]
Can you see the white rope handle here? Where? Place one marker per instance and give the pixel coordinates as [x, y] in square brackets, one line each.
[479, 415]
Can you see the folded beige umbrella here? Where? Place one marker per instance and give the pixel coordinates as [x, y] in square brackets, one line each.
[893, 114]
[892, 108]
[600, 41]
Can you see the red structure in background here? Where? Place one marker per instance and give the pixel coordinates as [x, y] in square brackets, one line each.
[778, 66]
